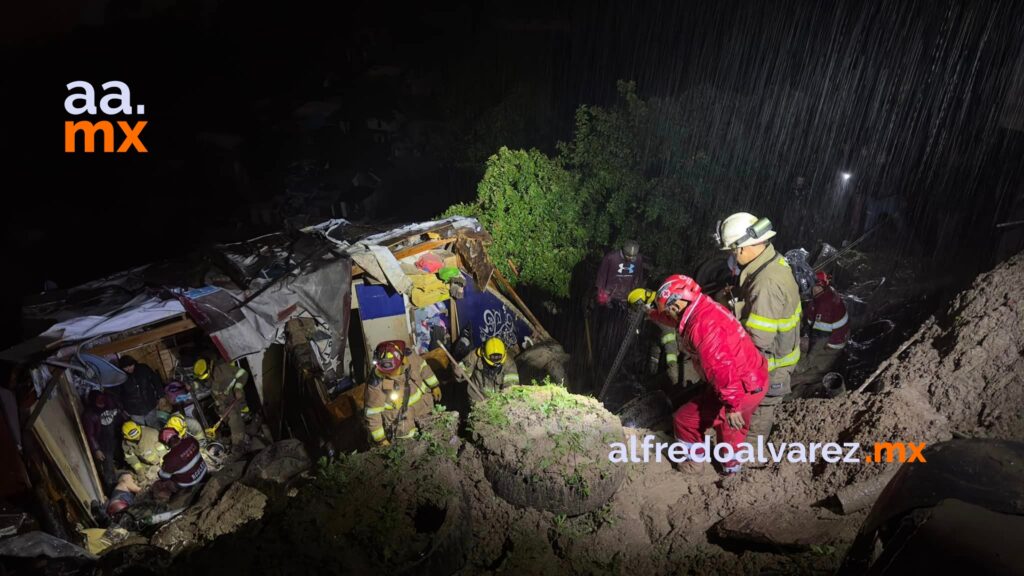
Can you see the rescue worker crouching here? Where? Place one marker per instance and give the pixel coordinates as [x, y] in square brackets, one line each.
[142, 450]
[829, 322]
[767, 304]
[183, 466]
[734, 373]
[402, 388]
[664, 341]
[487, 370]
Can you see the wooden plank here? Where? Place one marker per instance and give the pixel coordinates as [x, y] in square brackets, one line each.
[70, 399]
[410, 251]
[147, 337]
[507, 289]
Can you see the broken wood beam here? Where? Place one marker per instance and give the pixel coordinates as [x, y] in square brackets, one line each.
[139, 340]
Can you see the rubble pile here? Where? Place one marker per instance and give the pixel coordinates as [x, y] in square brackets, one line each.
[530, 492]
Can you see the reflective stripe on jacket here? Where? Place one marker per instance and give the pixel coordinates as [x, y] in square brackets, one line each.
[828, 314]
[768, 305]
[385, 395]
[483, 379]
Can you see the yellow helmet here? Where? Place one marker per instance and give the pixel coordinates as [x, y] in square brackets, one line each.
[131, 431]
[201, 369]
[641, 295]
[493, 351]
[177, 423]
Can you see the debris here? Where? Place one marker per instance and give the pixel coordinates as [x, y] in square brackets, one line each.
[862, 494]
[36, 544]
[788, 529]
[278, 463]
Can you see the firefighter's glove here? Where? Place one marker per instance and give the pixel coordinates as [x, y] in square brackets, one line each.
[436, 391]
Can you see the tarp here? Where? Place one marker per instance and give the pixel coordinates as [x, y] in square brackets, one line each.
[140, 311]
[243, 330]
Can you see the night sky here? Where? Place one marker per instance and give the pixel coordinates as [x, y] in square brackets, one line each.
[912, 96]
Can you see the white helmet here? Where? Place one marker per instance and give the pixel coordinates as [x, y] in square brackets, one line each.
[743, 229]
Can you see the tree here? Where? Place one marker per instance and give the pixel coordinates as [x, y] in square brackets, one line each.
[527, 202]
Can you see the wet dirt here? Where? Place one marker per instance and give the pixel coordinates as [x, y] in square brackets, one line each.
[961, 373]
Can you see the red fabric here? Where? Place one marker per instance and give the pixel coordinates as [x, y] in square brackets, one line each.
[723, 353]
[603, 297]
[829, 308]
[430, 262]
[706, 411]
[183, 464]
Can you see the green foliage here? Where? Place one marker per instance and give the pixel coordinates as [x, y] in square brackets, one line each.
[526, 202]
[630, 170]
[578, 483]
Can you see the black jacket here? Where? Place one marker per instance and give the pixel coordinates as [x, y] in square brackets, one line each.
[142, 390]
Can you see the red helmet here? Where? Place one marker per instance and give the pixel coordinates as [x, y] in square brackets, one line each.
[166, 434]
[822, 279]
[388, 356]
[677, 287]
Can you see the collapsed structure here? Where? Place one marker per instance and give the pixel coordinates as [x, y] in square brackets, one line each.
[301, 310]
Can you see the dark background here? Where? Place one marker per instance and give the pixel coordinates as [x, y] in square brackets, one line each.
[919, 99]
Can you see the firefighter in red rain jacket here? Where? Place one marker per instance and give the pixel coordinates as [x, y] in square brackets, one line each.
[830, 327]
[735, 371]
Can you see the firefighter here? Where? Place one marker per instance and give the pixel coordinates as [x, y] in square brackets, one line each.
[767, 303]
[184, 425]
[663, 339]
[227, 388]
[488, 369]
[829, 322]
[735, 373]
[142, 449]
[183, 465]
[402, 388]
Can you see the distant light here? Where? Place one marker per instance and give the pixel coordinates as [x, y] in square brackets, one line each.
[846, 176]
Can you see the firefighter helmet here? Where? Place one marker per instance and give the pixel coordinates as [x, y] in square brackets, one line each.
[641, 295]
[168, 434]
[389, 356]
[131, 431]
[177, 423]
[677, 287]
[492, 352]
[201, 369]
[743, 229]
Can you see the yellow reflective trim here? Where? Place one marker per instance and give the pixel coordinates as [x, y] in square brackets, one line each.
[372, 411]
[761, 323]
[767, 324]
[415, 396]
[668, 337]
[410, 434]
[432, 381]
[377, 434]
[787, 360]
[671, 359]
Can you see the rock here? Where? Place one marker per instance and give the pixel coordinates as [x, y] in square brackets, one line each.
[239, 505]
[278, 463]
[35, 544]
[135, 559]
[219, 483]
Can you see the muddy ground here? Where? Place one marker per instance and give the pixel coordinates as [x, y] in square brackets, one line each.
[959, 373]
